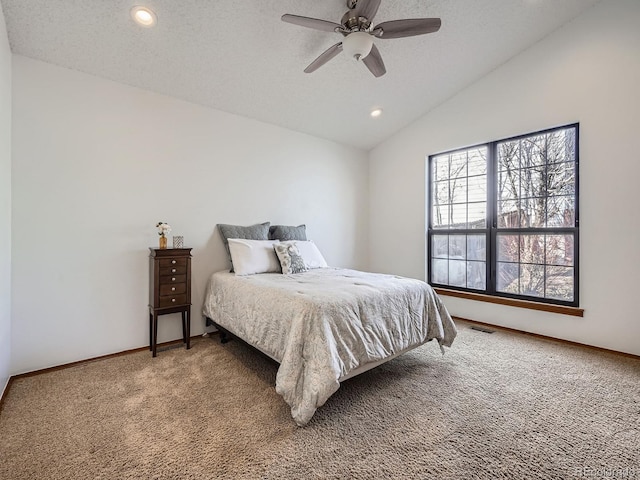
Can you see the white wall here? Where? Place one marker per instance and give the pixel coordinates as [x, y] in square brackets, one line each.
[587, 72]
[5, 205]
[96, 164]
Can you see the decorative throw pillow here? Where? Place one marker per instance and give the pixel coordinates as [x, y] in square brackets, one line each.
[287, 232]
[253, 232]
[290, 259]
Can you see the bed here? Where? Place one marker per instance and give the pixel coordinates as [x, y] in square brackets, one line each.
[326, 325]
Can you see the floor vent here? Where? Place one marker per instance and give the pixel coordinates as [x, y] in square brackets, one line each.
[480, 329]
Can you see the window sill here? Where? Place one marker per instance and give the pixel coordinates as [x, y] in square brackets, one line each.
[545, 307]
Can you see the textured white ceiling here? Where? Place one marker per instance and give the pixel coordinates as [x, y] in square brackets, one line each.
[239, 57]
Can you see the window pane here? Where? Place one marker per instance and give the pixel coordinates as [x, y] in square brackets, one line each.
[477, 161]
[561, 179]
[532, 249]
[509, 156]
[448, 265]
[508, 248]
[560, 283]
[559, 250]
[441, 168]
[440, 246]
[533, 257]
[533, 151]
[509, 186]
[477, 247]
[440, 216]
[532, 280]
[459, 216]
[561, 146]
[508, 214]
[477, 275]
[458, 165]
[441, 193]
[458, 246]
[477, 215]
[458, 190]
[508, 277]
[532, 212]
[440, 271]
[457, 273]
[477, 189]
[561, 212]
[533, 182]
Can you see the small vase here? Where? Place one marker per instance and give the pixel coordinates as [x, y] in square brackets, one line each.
[163, 241]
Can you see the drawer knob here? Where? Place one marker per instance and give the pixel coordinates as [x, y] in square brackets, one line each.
[173, 289]
[173, 261]
[173, 270]
[173, 299]
[173, 279]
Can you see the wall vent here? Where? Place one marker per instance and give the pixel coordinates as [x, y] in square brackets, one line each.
[481, 329]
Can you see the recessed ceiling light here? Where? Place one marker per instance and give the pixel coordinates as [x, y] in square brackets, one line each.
[376, 112]
[143, 16]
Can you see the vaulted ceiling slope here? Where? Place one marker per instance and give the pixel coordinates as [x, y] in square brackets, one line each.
[238, 56]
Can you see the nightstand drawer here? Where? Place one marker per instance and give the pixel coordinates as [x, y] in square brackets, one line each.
[173, 300]
[172, 279]
[173, 289]
[173, 270]
[172, 262]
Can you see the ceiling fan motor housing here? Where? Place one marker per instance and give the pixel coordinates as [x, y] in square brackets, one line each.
[353, 22]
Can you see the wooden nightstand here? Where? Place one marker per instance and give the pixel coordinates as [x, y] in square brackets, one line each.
[169, 290]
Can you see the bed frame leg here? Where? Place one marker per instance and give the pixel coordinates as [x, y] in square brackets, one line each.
[225, 337]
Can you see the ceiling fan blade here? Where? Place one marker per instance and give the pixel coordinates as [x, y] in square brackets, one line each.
[374, 62]
[315, 23]
[406, 28]
[367, 8]
[328, 54]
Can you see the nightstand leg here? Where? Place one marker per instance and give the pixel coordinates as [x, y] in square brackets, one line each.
[154, 340]
[184, 327]
[189, 329]
[150, 331]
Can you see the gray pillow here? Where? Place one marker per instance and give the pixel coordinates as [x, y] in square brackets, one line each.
[286, 233]
[259, 231]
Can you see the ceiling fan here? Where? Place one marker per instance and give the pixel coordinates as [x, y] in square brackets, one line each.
[359, 33]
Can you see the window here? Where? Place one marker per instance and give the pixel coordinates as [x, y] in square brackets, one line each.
[503, 217]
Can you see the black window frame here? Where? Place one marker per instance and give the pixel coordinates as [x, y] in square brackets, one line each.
[492, 230]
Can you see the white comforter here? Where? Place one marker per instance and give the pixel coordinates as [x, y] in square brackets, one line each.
[322, 324]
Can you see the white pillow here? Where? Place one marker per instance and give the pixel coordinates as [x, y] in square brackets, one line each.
[310, 254]
[253, 256]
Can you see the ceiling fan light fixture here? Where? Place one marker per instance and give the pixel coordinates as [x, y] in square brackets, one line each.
[143, 16]
[357, 45]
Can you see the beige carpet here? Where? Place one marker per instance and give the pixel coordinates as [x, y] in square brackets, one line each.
[498, 405]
